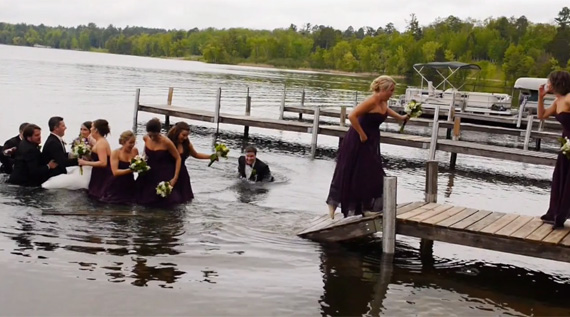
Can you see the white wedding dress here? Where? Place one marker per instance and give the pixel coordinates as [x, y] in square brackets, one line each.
[73, 180]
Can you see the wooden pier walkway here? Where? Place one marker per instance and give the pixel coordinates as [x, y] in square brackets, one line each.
[510, 233]
[414, 141]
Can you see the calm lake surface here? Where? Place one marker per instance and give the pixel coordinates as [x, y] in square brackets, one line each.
[233, 250]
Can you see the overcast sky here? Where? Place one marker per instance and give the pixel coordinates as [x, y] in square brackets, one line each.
[266, 14]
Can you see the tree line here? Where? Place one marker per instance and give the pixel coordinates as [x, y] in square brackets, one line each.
[505, 48]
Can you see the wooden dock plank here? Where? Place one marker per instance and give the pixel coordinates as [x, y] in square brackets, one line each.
[485, 221]
[430, 213]
[417, 211]
[540, 233]
[457, 217]
[514, 226]
[556, 235]
[411, 206]
[527, 229]
[565, 241]
[499, 223]
[471, 219]
[444, 215]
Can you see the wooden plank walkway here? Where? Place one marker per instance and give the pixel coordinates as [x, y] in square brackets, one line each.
[423, 122]
[510, 233]
[414, 141]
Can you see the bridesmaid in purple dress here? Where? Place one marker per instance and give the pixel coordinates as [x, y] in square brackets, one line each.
[178, 134]
[357, 183]
[121, 188]
[559, 85]
[164, 161]
[100, 153]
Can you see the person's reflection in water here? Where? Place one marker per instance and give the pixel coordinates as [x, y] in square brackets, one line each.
[351, 287]
[249, 192]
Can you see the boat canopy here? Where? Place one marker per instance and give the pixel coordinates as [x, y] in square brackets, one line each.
[529, 83]
[453, 67]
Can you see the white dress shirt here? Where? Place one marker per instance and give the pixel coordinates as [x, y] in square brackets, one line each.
[249, 170]
[60, 141]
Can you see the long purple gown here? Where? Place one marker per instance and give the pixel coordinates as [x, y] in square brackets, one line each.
[559, 208]
[121, 189]
[162, 166]
[183, 185]
[358, 179]
[100, 177]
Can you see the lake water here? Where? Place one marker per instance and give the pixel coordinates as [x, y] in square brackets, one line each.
[233, 250]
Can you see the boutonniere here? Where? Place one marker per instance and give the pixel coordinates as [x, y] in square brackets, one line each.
[254, 174]
[39, 147]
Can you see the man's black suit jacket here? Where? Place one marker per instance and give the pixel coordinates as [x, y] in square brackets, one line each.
[30, 168]
[8, 160]
[54, 150]
[260, 171]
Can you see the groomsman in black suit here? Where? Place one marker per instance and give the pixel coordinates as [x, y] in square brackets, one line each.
[54, 148]
[30, 168]
[252, 168]
[8, 151]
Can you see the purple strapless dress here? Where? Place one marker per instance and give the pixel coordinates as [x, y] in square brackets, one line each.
[183, 186]
[358, 179]
[100, 177]
[121, 189]
[162, 166]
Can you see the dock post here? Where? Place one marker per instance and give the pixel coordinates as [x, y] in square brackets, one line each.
[434, 134]
[247, 113]
[426, 245]
[315, 132]
[136, 111]
[168, 103]
[450, 115]
[343, 116]
[389, 215]
[217, 110]
[528, 131]
[455, 137]
[282, 107]
[302, 103]
[539, 140]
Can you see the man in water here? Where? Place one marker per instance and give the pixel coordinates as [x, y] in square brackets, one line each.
[252, 168]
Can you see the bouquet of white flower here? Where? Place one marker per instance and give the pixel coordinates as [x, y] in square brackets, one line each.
[80, 149]
[221, 151]
[565, 146]
[139, 165]
[413, 109]
[163, 189]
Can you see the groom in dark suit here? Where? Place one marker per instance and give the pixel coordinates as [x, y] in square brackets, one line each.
[8, 151]
[30, 168]
[54, 148]
[252, 168]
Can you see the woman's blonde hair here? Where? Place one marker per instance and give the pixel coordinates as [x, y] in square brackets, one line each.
[382, 83]
[125, 136]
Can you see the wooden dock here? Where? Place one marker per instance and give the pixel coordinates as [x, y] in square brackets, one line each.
[510, 233]
[414, 141]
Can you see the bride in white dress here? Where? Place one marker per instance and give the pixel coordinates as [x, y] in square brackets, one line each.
[74, 179]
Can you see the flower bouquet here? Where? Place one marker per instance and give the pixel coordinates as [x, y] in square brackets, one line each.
[81, 148]
[221, 151]
[413, 109]
[139, 165]
[565, 146]
[163, 189]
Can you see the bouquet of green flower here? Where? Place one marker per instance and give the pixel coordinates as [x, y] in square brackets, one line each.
[221, 150]
[139, 165]
[163, 189]
[413, 109]
[565, 146]
[80, 149]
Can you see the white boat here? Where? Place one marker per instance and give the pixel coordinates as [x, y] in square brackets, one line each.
[445, 93]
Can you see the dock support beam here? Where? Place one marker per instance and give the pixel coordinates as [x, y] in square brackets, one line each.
[136, 110]
[455, 137]
[282, 107]
[247, 113]
[217, 110]
[302, 104]
[168, 103]
[434, 134]
[426, 245]
[315, 132]
[389, 215]
[528, 132]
